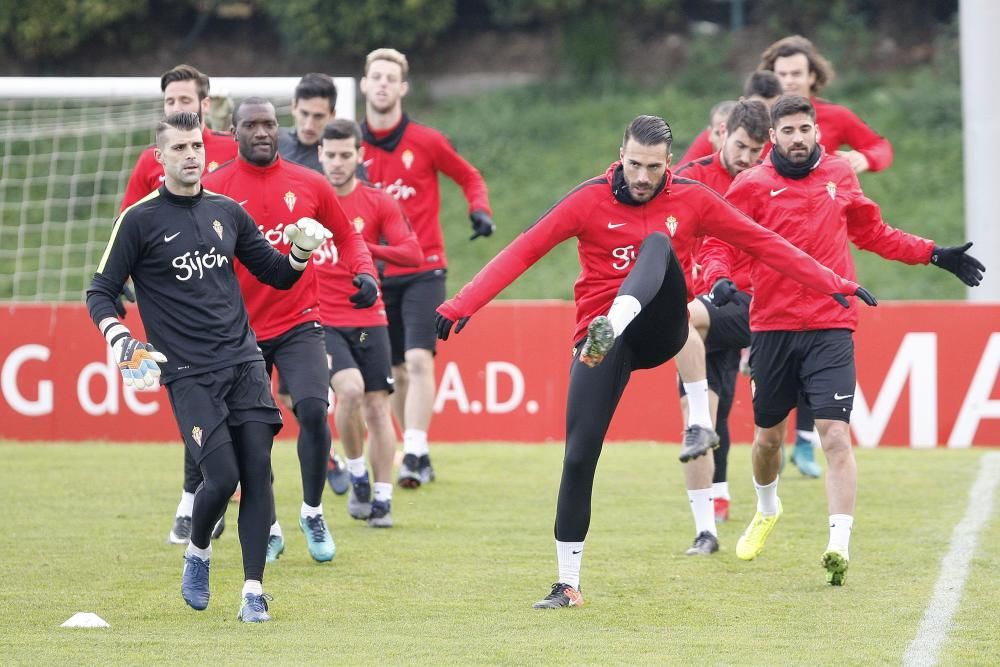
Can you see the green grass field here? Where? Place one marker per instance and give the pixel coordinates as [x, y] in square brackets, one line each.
[453, 583]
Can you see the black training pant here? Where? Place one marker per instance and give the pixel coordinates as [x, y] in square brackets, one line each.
[656, 335]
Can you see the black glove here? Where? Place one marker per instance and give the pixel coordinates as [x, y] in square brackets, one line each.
[482, 225]
[128, 294]
[443, 325]
[861, 293]
[120, 309]
[722, 292]
[367, 291]
[955, 259]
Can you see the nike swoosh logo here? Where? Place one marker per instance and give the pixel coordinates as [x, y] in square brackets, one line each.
[576, 552]
[612, 225]
[838, 397]
[241, 203]
[775, 193]
[168, 239]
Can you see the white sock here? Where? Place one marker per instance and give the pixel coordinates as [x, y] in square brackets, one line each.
[356, 466]
[383, 491]
[703, 510]
[186, 506]
[809, 436]
[720, 490]
[623, 310]
[415, 442]
[276, 529]
[204, 554]
[767, 497]
[307, 511]
[252, 586]
[569, 555]
[698, 410]
[840, 533]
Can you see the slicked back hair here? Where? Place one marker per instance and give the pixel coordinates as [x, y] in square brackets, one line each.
[316, 84]
[789, 105]
[182, 120]
[793, 45]
[752, 116]
[392, 55]
[185, 73]
[245, 102]
[342, 128]
[649, 131]
[762, 83]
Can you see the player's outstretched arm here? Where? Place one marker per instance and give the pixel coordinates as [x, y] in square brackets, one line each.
[137, 361]
[957, 260]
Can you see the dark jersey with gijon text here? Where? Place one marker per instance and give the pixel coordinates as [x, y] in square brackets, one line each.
[179, 252]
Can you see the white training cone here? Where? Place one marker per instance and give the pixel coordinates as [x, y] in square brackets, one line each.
[85, 619]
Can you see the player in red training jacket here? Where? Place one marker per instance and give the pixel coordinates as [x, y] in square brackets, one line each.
[357, 341]
[288, 327]
[635, 228]
[184, 89]
[813, 199]
[404, 158]
[725, 330]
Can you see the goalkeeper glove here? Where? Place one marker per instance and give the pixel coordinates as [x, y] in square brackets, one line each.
[955, 259]
[305, 236]
[482, 224]
[722, 292]
[367, 291]
[137, 361]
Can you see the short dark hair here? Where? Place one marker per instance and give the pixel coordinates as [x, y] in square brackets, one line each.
[185, 73]
[649, 131]
[721, 109]
[762, 83]
[793, 45]
[752, 116]
[182, 120]
[248, 101]
[342, 128]
[316, 84]
[789, 105]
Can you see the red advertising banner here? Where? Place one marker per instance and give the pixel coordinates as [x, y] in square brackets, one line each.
[927, 377]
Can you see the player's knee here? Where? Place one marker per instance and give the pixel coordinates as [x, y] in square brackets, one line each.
[311, 413]
[419, 363]
[349, 395]
[768, 439]
[835, 437]
[580, 459]
[375, 407]
[656, 240]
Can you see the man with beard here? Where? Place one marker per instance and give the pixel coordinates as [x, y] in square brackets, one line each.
[289, 332]
[813, 199]
[635, 227]
[404, 158]
[725, 330]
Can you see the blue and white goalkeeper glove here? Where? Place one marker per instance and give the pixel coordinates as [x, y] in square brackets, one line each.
[137, 361]
[305, 236]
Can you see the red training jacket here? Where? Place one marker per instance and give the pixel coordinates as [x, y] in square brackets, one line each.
[700, 147]
[839, 126]
[376, 216]
[147, 174]
[405, 162]
[609, 233]
[276, 196]
[818, 214]
[710, 171]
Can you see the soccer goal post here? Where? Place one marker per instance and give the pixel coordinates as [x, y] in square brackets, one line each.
[67, 148]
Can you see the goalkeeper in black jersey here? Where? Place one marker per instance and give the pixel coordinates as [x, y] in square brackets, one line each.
[178, 244]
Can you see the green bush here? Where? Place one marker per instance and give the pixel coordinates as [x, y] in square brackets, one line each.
[354, 28]
[46, 29]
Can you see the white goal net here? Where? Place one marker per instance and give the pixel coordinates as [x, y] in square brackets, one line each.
[67, 148]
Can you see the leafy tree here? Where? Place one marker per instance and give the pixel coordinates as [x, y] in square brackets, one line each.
[44, 29]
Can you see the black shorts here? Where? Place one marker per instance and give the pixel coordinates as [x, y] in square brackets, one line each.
[300, 355]
[206, 405]
[411, 302]
[363, 348]
[819, 364]
[729, 327]
[721, 368]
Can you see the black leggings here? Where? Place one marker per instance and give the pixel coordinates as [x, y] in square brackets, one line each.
[804, 420]
[721, 453]
[654, 336]
[247, 460]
